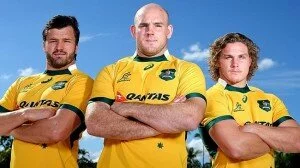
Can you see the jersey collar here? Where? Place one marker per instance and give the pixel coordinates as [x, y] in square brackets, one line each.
[163, 57]
[228, 87]
[61, 72]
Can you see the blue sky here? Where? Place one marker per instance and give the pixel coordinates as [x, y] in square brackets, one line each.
[105, 38]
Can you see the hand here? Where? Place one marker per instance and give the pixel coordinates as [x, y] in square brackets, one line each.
[35, 114]
[250, 128]
[120, 108]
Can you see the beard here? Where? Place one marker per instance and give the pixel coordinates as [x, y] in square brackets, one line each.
[60, 62]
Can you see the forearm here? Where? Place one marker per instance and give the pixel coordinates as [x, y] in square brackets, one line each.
[167, 118]
[49, 130]
[114, 126]
[38, 132]
[237, 144]
[250, 146]
[285, 139]
[11, 120]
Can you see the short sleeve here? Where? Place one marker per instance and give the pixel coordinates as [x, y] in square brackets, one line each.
[103, 86]
[9, 100]
[192, 81]
[281, 113]
[78, 92]
[217, 109]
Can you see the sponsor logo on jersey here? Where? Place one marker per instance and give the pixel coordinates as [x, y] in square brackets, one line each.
[26, 88]
[260, 122]
[140, 97]
[59, 85]
[46, 81]
[245, 98]
[238, 107]
[264, 104]
[149, 66]
[50, 103]
[120, 97]
[125, 77]
[167, 74]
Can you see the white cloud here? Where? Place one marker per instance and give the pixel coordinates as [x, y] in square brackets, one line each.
[265, 64]
[86, 135]
[86, 38]
[4, 76]
[195, 53]
[26, 72]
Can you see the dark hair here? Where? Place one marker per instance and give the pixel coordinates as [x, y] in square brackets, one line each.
[220, 44]
[61, 21]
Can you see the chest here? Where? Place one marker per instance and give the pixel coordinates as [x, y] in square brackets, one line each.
[251, 107]
[43, 91]
[154, 82]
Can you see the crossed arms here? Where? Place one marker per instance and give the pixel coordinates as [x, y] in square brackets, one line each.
[129, 121]
[254, 140]
[43, 125]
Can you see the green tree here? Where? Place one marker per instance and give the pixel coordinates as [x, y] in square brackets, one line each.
[287, 160]
[192, 161]
[5, 149]
[84, 160]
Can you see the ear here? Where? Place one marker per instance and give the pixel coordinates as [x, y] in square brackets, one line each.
[170, 31]
[132, 31]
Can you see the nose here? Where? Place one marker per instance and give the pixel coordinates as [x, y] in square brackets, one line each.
[150, 29]
[234, 62]
[60, 45]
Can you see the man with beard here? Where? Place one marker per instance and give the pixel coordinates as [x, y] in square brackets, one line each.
[45, 112]
[143, 104]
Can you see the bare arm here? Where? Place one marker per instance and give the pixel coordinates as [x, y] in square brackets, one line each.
[235, 143]
[285, 138]
[12, 120]
[103, 122]
[168, 118]
[50, 130]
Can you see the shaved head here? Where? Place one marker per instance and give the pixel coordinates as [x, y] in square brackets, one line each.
[144, 8]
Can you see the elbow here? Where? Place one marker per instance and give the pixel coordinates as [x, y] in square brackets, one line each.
[236, 153]
[92, 129]
[58, 135]
[193, 121]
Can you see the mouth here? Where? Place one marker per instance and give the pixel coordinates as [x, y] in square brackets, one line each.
[59, 54]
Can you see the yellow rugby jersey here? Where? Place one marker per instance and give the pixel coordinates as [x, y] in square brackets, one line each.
[69, 89]
[244, 105]
[152, 81]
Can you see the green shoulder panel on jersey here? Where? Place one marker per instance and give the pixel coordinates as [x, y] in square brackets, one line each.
[281, 120]
[102, 99]
[3, 110]
[190, 95]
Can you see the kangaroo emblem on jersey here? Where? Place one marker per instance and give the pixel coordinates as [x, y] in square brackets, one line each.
[125, 77]
[167, 74]
[59, 85]
[264, 104]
